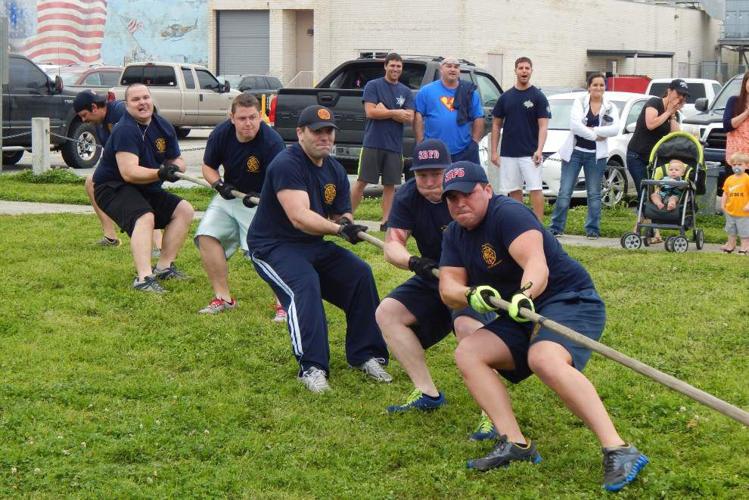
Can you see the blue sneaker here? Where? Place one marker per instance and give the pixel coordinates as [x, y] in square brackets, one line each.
[503, 453]
[418, 401]
[484, 431]
[621, 466]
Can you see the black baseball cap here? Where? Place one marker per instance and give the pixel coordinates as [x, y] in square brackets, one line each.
[463, 176]
[431, 153]
[86, 98]
[316, 117]
[679, 86]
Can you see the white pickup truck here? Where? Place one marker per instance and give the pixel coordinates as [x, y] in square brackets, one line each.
[188, 95]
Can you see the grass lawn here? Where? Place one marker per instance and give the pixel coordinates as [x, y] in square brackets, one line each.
[108, 392]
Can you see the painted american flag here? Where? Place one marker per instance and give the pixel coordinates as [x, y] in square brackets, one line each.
[68, 32]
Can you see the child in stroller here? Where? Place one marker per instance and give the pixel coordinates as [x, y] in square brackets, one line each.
[668, 196]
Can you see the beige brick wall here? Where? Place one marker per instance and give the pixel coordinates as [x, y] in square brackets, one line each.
[555, 33]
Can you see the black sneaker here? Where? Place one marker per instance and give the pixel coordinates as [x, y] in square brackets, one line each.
[621, 466]
[504, 453]
[170, 273]
[149, 284]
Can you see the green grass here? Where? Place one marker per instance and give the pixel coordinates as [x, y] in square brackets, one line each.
[63, 186]
[107, 392]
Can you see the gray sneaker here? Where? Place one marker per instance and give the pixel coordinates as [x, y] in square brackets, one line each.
[621, 466]
[373, 369]
[218, 305]
[503, 454]
[108, 242]
[170, 273]
[315, 380]
[149, 284]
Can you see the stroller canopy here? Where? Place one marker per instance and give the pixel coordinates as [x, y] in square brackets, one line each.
[678, 145]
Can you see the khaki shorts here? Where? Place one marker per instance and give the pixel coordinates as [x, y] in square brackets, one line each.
[513, 172]
[227, 221]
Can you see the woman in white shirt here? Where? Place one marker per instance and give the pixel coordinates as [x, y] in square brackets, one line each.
[593, 119]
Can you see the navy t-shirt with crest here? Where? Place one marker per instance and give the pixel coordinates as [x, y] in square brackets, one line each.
[386, 134]
[245, 163]
[483, 252]
[153, 144]
[520, 111]
[115, 112]
[327, 187]
[425, 220]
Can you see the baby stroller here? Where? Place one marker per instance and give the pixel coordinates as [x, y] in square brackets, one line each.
[687, 148]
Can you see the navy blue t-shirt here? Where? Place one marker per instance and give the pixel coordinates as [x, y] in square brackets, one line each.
[245, 163]
[520, 111]
[386, 134]
[153, 144]
[483, 252]
[327, 187]
[115, 111]
[591, 120]
[426, 220]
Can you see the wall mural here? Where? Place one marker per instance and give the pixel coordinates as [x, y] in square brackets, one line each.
[108, 31]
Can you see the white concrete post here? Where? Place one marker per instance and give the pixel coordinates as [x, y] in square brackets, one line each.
[40, 145]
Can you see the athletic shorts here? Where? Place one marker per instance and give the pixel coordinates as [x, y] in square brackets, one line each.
[374, 163]
[227, 221]
[434, 320]
[125, 204]
[583, 311]
[514, 171]
[737, 226]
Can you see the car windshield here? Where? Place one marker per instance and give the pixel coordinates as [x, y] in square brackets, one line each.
[731, 89]
[69, 78]
[561, 109]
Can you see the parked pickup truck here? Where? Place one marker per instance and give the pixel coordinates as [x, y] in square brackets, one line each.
[31, 93]
[342, 90]
[707, 124]
[187, 95]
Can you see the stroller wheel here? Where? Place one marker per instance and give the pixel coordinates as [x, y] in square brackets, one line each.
[669, 244]
[699, 238]
[680, 244]
[631, 241]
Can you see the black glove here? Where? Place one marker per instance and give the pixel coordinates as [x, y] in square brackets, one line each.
[168, 173]
[423, 266]
[350, 231]
[248, 202]
[224, 189]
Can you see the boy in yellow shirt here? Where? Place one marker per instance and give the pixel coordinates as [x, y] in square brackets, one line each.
[735, 204]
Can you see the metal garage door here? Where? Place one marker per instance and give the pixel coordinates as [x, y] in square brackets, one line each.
[243, 45]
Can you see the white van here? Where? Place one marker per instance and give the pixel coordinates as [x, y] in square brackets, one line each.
[698, 88]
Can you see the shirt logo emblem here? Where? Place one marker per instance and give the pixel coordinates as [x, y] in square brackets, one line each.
[400, 100]
[160, 144]
[448, 102]
[489, 255]
[253, 165]
[528, 104]
[329, 194]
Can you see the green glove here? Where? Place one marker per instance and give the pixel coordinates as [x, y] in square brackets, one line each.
[479, 298]
[520, 300]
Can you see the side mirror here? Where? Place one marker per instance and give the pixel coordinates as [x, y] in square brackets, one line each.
[701, 104]
[226, 87]
[58, 85]
[630, 128]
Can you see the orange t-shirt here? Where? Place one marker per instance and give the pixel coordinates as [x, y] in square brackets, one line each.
[736, 190]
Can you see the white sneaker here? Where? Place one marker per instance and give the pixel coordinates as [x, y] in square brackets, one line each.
[281, 315]
[315, 380]
[373, 368]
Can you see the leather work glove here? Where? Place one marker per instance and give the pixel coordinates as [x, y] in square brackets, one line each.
[248, 202]
[479, 298]
[167, 173]
[224, 189]
[519, 299]
[350, 231]
[423, 266]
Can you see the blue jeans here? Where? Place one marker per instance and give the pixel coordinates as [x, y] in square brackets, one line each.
[638, 169]
[593, 170]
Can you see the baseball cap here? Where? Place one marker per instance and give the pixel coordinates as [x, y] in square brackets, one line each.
[463, 176]
[316, 117]
[431, 153]
[86, 98]
[679, 86]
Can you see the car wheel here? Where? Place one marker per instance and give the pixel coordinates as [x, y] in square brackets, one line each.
[614, 185]
[10, 158]
[631, 241]
[182, 132]
[84, 150]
